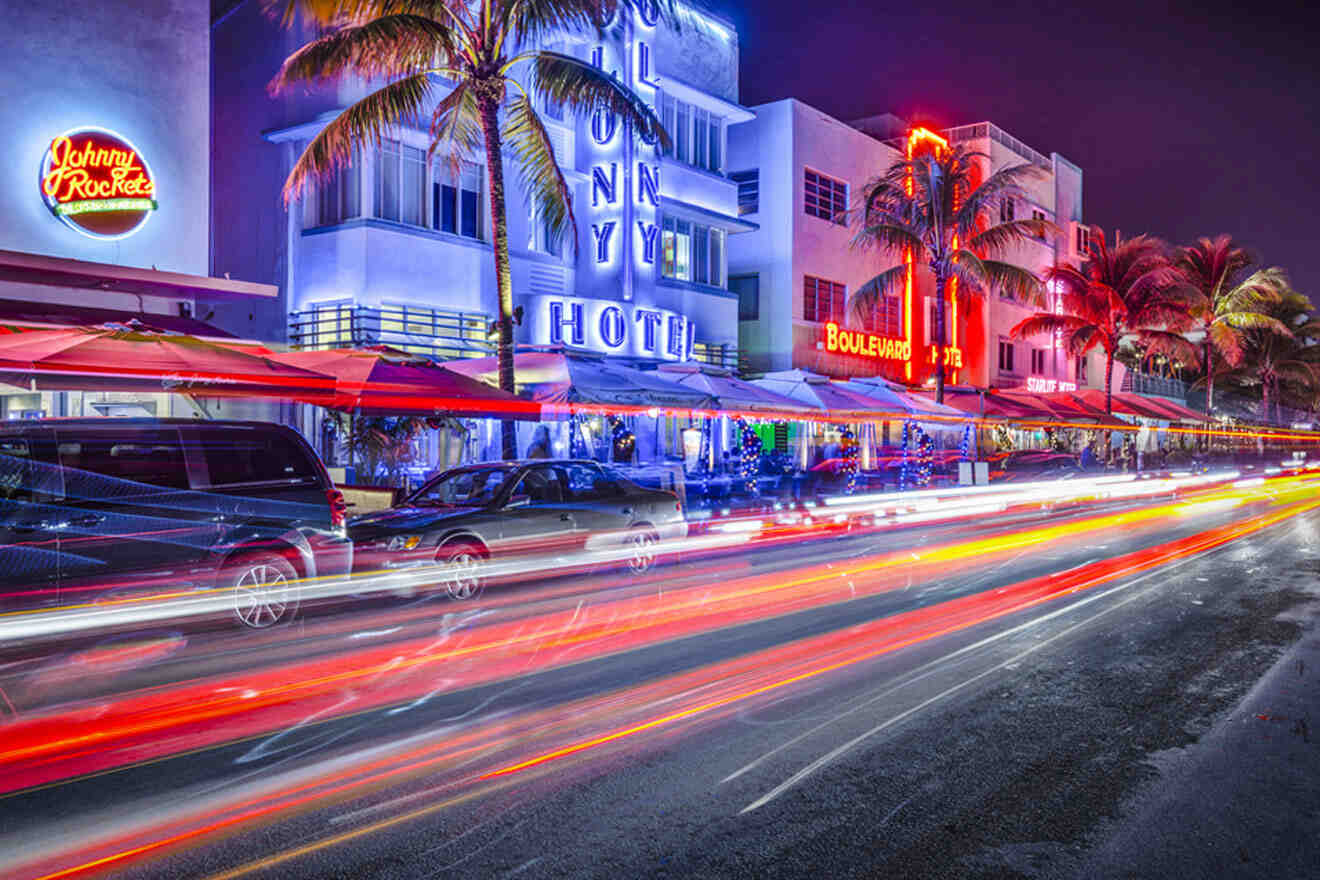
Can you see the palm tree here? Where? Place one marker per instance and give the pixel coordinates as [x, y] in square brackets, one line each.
[1290, 356]
[929, 208]
[461, 63]
[1225, 301]
[1130, 291]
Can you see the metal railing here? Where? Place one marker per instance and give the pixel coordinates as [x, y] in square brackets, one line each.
[1164, 386]
[442, 334]
[999, 136]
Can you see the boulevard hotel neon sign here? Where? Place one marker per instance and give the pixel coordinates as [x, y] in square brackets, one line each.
[97, 183]
[857, 342]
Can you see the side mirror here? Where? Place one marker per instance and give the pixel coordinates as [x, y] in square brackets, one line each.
[518, 501]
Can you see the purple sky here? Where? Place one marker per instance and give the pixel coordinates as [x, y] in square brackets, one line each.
[1186, 123]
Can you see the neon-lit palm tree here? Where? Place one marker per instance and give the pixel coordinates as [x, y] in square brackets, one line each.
[930, 209]
[1282, 360]
[1130, 291]
[460, 64]
[1225, 300]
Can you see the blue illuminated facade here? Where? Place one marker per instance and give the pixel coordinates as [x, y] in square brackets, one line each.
[397, 249]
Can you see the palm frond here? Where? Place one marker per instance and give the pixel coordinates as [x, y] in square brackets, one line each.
[1169, 344]
[866, 299]
[888, 237]
[1222, 337]
[1046, 323]
[538, 171]
[584, 89]
[390, 46]
[1013, 280]
[362, 123]
[998, 238]
[1254, 321]
[456, 127]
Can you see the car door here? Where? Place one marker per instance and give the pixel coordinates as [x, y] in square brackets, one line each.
[538, 516]
[132, 525]
[30, 488]
[599, 504]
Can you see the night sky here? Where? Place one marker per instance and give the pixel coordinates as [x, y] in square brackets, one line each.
[1185, 123]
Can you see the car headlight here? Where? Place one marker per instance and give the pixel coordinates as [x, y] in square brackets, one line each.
[403, 542]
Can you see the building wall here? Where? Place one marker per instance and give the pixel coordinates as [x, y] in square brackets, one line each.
[145, 76]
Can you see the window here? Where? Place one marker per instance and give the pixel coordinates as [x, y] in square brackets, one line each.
[540, 237]
[749, 190]
[456, 204]
[822, 301]
[1005, 356]
[23, 479]
[1038, 361]
[400, 183]
[236, 457]
[1083, 241]
[588, 483]
[1081, 370]
[691, 252]
[471, 486]
[339, 198]
[932, 318]
[1038, 215]
[1007, 210]
[887, 318]
[132, 459]
[825, 197]
[748, 288]
[332, 325]
[696, 133]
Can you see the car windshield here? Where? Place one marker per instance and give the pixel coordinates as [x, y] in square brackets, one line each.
[474, 486]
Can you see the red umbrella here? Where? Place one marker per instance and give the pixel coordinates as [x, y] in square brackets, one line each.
[383, 380]
[137, 358]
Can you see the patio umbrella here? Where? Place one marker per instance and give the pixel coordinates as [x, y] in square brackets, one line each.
[559, 378]
[916, 407]
[134, 357]
[730, 392]
[824, 393]
[386, 381]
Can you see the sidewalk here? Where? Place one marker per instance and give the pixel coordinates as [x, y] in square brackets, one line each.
[1243, 801]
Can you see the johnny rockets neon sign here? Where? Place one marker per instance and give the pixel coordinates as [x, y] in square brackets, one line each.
[97, 183]
[856, 342]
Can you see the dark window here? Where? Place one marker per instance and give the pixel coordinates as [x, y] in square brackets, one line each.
[444, 207]
[470, 206]
[1007, 210]
[822, 301]
[1083, 241]
[1081, 370]
[825, 197]
[1005, 357]
[586, 483]
[887, 317]
[1038, 361]
[541, 485]
[749, 190]
[457, 208]
[748, 288]
[145, 456]
[1038, 215]
[239, 457]
[22, 477]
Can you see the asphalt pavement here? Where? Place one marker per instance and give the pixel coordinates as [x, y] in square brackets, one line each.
[1158, 724]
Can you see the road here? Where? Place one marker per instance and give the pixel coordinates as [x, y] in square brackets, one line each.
[1065, 693]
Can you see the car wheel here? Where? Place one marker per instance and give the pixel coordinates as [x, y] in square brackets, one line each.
[461, 569]
[642, 544]
[263, 589]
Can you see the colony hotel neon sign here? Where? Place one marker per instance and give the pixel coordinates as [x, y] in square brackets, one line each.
[841, 341]
[97, 183]
[607, 327]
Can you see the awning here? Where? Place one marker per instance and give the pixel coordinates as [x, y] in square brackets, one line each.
[558, 378]
[912, 404]
[730, 392]
[839, 398]
[62, 272]
[383, 381]
[18, 314]
[1123, 403]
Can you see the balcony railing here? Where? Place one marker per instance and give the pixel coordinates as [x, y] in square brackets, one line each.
[998, 135]
[443, 334]
[1163, 386]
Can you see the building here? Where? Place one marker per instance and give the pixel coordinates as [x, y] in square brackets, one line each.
[798, 170]
[108, 188]
[396, 250]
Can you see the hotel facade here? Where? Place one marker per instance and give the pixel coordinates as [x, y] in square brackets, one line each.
[798, 170]
[396, 250]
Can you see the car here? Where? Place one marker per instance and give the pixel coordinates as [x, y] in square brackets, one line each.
[100, 509]
[467, 515]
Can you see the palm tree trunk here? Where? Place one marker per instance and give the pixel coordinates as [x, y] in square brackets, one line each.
[490, 128]
[940, 336]
[1265, 383]
[1209, 378]
[1109, 382]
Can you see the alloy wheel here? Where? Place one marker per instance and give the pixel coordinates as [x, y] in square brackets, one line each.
[463, 575]
[641, 552]
[263, 596]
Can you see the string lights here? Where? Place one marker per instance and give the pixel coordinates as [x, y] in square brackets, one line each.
[850, 449]
[749, 456]
[623, 440]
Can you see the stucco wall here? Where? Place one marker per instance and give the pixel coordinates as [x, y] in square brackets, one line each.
[143, 74]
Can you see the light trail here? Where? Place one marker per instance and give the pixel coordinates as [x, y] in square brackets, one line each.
[733, 682]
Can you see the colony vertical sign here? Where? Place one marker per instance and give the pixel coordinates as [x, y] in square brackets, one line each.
[97, 183]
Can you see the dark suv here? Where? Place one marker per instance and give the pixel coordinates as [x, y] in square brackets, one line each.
[97, 509]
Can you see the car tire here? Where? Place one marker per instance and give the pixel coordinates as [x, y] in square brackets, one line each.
[461, 563]
[264, 589]
[643, 550]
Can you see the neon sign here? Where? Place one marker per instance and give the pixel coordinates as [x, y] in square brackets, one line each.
[611, 327]
[952, 357]
[1046, 386]
[841, 341]
[97, 183]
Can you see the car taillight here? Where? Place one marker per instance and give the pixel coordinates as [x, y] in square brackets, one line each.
[338, 507]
